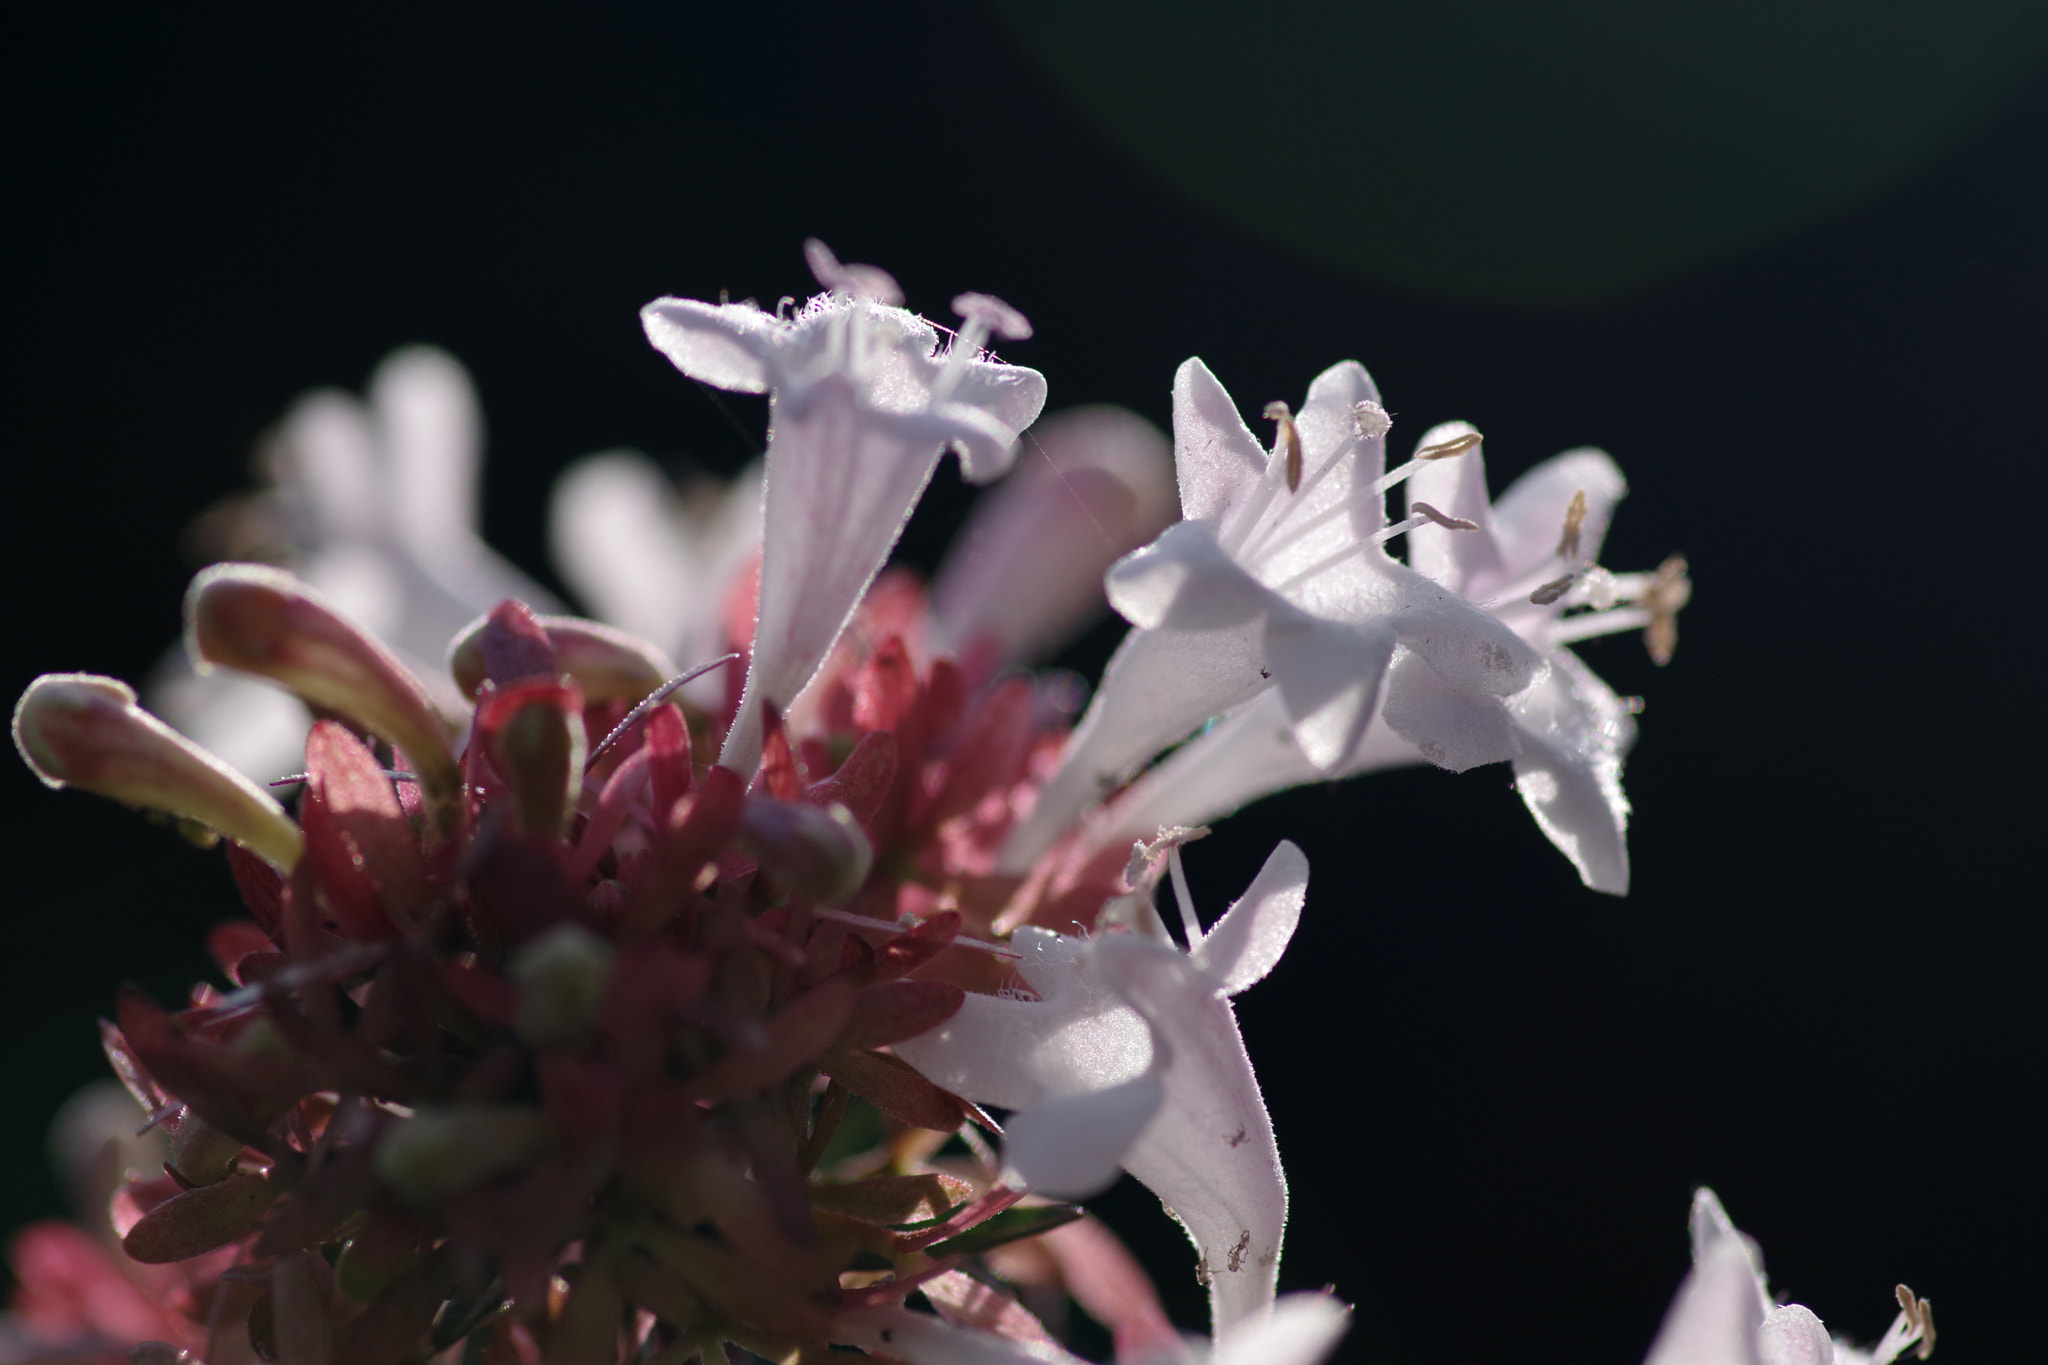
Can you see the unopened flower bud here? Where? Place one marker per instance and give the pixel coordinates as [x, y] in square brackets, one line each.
[81, 730]
[256, 619]
[535, 733]
[561, 978]
[817, 852]
[607, 663]
[437, 1154]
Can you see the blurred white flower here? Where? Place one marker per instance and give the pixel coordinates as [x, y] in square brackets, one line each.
[863, 404]
[1276, 586]
[1724, 1313]
[375, 504]
[1024, 576]
[1530, 558]
[657, 561]
[1130, 1057]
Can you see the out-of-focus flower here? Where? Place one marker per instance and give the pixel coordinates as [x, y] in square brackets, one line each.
[1024, 575]
[1725, 1314]
[1276, 583]
[1531, 559]
[1129, 1055]
[863, 405]
[657, 561]
[375, 504]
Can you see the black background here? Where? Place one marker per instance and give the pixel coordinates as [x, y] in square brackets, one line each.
[1494, 1090]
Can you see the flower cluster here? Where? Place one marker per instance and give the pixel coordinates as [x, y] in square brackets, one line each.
[587, 1012]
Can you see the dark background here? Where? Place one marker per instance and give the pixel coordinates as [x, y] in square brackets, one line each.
[1788, 270]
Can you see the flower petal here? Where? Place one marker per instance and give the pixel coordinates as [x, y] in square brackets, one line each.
[1301, 1329]
[1329, 677]
[1792, 1335]
[921, 1339]
[1073, 1146]
[1529, 516]
[1209, 1154]
[1216, 459]
[1714, 1319]
[614, 534]
[1467, 562]
[726, 345]
[1184, 580]
[433, 446]
[1247, 941]
[1574, 732]
[1454, 728]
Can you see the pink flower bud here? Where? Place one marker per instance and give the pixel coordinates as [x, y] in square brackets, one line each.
[816, 852]
[80, 730]
[261, 620]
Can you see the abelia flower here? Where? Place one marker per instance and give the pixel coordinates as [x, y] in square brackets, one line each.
[1531, 559]
[863, 404]
[1724, 1313]
[1276, 584]
[1125, 1053]
[374, 503]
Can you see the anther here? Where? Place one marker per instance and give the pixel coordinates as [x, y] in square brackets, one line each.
[1574, 523]
[1371, 420]
[1443, 450]
[1919, 1318]
[1449, 523]
[862, 281]
[1669, 590]
[1552, 590]
[1287, 439]
[996, 317]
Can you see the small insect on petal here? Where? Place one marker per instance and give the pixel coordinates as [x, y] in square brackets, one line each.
[1288, 440]
[1443, 519]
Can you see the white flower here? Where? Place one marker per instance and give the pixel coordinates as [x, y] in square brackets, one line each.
[1530, 557]
[1724, 1313]
[1131, 1056]
[1276, 586]
[375, 504]
[656, 561]
[864, 403]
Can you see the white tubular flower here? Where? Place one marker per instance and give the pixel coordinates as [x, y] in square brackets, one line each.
[1131, 1056]
[1024, 575]
[864, 403]
[652, 559]
[1724, 1313]
[1277, 583]
[375, 505]
[1530, 558]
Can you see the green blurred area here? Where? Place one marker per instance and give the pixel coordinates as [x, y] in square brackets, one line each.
[1562, 152]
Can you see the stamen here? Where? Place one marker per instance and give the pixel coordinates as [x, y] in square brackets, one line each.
[1443, 450]
[862, 281]
[1574, 522]
[996, 317]
[1371, 420]
[1668, 591]
[1588, 625]
[1357, 547]
[884, 926]
[1552, 590]
[1190, 924]
[1915, 1322]
[1443, 519]
[1287, 439]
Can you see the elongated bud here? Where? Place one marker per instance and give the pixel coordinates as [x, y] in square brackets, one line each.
[436, 1154]
[81, 730]
[607, 663]
[817, 852]
[535, 733]
[256, 619]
